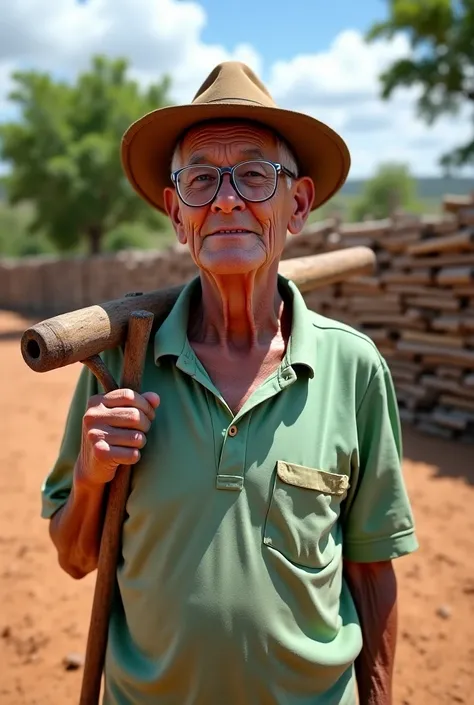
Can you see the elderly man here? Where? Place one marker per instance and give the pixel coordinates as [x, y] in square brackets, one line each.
[269, 501]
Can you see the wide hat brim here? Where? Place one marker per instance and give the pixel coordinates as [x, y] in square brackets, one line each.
[148, 145]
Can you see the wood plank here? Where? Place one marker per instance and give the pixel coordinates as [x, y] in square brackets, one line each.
[339, 303]
[413, 367]
[385, 348]
[458, 357]
[451, 419]
[402, 355]
[369, 228]
[434, 429]
[391, 304]
[450, 324]
[439, 224]
[451, 400]
[463, 322]
[394, 243]
[434, 261]
[467, 321]
[361, 284]
[414, 391]
[442, 301]
[464, 291]
[452, 203]
[466, 216]
[379, 335]
[433, 338]
[463, 240]
[449, 372]
[403, 376]
[406, 415]
[391, 320]
[440, 359]
[336, 242]
[455, 276]
[411, 289]
[417, 276]
[383, 257]
[322, 227]
[469, 380]
[446, 385]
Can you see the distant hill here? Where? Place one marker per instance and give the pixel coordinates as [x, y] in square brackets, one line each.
[428, 187]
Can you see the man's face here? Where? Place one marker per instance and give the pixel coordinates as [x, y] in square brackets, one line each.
[231, 235]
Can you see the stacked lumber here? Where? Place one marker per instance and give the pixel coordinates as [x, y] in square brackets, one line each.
[418, 308]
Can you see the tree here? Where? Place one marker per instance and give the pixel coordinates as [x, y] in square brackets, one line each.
[441, 35]
[391, 188]
[64, 152]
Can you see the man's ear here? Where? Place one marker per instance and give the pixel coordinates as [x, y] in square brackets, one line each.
[303, 198]
[173, 211]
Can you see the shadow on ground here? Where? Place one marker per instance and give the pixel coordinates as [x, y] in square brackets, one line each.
[422, 448]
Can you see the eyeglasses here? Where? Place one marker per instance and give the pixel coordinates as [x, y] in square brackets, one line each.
[254, 181]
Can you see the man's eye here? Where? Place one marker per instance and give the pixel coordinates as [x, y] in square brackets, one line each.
[254, 174]
[202, 178]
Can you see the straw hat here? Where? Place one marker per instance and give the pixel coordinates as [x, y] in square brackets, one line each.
[231, 90]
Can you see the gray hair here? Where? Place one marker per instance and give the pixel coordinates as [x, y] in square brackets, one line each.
[285, 153]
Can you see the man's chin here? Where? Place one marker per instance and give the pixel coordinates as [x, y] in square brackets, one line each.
[231, 263]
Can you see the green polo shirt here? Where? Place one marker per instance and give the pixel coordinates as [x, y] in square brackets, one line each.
[231, 589]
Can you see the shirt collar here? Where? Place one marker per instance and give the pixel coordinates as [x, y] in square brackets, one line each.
[171, 338]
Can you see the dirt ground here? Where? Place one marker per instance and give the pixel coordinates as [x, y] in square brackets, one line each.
[44, 614]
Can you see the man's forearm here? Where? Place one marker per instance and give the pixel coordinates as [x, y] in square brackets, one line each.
[76, 529]
[374, 590]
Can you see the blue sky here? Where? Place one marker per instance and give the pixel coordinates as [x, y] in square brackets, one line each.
[284, 28]
[311, 54]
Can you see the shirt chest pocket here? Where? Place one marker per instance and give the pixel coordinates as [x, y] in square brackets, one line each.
[302, 516]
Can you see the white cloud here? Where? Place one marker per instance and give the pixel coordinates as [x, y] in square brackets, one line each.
[338, 86]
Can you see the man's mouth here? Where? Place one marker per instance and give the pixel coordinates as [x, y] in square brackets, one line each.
[232, 231]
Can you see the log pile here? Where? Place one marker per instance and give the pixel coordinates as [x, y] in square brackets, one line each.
[419, 310]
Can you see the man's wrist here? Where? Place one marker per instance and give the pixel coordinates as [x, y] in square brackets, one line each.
[83, 484]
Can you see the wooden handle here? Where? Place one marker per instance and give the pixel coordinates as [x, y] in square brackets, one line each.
[139, 330]
[77, 335]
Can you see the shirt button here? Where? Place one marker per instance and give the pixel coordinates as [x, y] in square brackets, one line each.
[233, 431]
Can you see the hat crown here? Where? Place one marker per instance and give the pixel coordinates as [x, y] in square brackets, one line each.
[233, 82]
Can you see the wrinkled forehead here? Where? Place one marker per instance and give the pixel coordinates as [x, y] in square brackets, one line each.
[245, 138]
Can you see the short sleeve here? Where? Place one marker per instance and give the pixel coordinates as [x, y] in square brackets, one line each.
[58, 483]
[377, 517]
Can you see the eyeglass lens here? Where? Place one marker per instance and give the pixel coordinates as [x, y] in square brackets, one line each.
[254, 180]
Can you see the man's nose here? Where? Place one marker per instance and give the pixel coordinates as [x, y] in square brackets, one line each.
[227, 199]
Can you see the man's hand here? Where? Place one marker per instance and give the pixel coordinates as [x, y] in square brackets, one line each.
[114, 430]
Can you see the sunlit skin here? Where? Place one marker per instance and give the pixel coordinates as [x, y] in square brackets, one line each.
[241, 328]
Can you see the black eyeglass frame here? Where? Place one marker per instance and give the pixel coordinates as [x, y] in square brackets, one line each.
[221, 170]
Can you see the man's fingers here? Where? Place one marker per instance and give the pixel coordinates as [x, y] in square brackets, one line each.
[152, 398]
[127, 397]
[116, 455]
[98, 417]
[117, 437]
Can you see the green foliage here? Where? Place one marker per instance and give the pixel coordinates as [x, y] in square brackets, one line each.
[65, 151]
[16, 240]
[441, 34]
[136, 236]
[391, 188]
